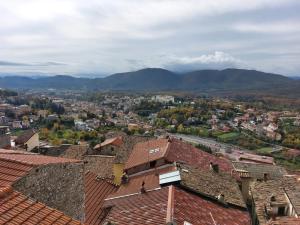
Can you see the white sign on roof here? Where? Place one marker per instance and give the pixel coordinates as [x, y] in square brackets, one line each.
[169, 177]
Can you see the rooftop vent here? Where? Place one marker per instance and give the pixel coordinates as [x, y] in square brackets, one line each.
[169, 177]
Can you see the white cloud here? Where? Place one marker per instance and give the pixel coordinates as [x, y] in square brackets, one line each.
[282, 27]
[100, 35]
[217, 60]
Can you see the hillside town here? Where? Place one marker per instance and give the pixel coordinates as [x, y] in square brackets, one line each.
[119, 159]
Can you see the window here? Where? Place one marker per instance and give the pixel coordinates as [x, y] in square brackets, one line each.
[151, 151]
[152, 164]
[281, 211]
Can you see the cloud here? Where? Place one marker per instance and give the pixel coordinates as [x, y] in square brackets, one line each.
[6, 63]
[121, 35]
[13, 64]
[217, 60]
[280, 27]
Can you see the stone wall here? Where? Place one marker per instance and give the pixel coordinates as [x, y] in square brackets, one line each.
[102, 165]
[60, 186]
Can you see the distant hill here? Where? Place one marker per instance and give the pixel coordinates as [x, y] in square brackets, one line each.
[156, 79]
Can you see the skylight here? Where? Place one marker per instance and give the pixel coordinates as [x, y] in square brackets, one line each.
[151, 151]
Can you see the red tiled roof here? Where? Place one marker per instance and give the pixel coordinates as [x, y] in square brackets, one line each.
[141, 152]
[15, 208]
[170, 203]
[174, 151]
[16, 164]
[117, 141]
[198, 211]
[151, 179]
[11, 171]
[180, 151]
[96, 190]
[149, 208]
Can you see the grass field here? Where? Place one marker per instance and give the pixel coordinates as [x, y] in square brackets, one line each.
[265, 150]
[228, 136]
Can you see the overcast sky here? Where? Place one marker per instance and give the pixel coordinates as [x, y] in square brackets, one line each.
[100, 37]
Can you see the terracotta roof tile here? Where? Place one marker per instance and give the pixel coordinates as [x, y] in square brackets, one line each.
[16, 208]
[149, 208]
[152, 208]
[151, 179]
[198, 211]
[96, 190]
[180, 151]
[174, 151]
[16, 164]
[11, 171]
[144, 152]
[117, 141]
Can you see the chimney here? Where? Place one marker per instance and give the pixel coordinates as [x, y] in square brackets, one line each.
[124, 178]
[143, 189]
[221, 198]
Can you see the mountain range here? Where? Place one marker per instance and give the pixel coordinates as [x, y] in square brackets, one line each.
[156, 79]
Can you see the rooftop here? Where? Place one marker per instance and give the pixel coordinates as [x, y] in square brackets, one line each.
[33, 159]
[212, 184]
[16, 164]
[206, 183]
[174, 150]
[25, 136]
[16, 208]
[171, 204]
[111, 141]
[96, 190]
[258, 170]
[262, 193]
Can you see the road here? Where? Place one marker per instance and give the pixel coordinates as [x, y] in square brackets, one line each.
[213, 144]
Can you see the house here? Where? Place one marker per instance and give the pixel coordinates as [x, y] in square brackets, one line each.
[42, 113]
[80, 125]
[177, 195]
[155, 153]
[110, 146]
[247, 173]
[28, 140]
[29, 174]
[133, 126]
[276, 200]
[163, 98]
[16, 124]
